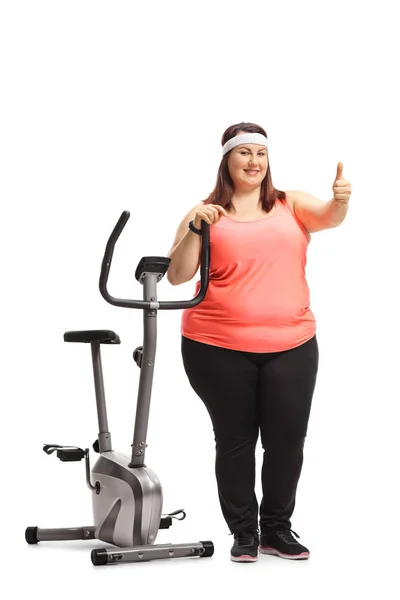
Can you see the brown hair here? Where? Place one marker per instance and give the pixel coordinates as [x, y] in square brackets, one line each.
[223, 190]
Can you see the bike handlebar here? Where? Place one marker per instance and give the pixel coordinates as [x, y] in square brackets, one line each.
[166, 305]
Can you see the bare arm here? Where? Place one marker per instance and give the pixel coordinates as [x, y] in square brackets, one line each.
[316, 214]
[185, 253]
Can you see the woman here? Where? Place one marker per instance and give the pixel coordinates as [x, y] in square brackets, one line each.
[250, 349]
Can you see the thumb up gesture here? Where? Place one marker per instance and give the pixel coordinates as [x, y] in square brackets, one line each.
[341, 187]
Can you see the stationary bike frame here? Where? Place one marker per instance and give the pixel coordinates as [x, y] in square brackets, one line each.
[126, 494]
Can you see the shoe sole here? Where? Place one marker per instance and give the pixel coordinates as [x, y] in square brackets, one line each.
[274, 552]
[244, 558]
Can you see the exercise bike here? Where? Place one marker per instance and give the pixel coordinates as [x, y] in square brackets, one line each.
[127, 496]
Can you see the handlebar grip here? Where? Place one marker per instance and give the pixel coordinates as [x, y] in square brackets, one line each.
[204, 275]
[109, 251]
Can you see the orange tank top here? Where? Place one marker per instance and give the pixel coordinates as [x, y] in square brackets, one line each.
[258, 298]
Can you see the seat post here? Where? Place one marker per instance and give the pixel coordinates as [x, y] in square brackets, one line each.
[104, 434]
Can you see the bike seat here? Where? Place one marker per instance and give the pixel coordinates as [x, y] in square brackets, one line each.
[104, 336]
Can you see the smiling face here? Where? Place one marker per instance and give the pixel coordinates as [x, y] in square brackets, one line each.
[248, 164]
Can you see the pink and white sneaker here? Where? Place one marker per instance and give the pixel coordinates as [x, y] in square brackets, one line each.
[282, 543]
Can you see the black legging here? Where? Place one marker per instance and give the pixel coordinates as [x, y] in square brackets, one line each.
[248, 392]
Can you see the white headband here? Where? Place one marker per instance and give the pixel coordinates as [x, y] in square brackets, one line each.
[244, 138]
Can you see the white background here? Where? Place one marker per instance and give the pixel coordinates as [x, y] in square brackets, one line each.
[112, 106]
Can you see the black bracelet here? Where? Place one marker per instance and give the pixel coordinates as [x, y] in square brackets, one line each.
[193, 228]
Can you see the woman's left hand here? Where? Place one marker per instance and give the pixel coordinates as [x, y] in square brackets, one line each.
[341, 187]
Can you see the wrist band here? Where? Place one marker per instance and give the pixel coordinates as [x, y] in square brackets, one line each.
[193, 228]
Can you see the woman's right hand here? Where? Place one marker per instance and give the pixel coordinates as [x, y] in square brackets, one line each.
[210, 213]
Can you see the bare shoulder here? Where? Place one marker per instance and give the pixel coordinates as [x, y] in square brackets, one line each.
[304, 203]
[295, 196]
[290, 197]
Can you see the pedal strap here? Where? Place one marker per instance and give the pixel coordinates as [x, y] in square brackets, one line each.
[50, 448]
[65, 453]
[174, 514]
